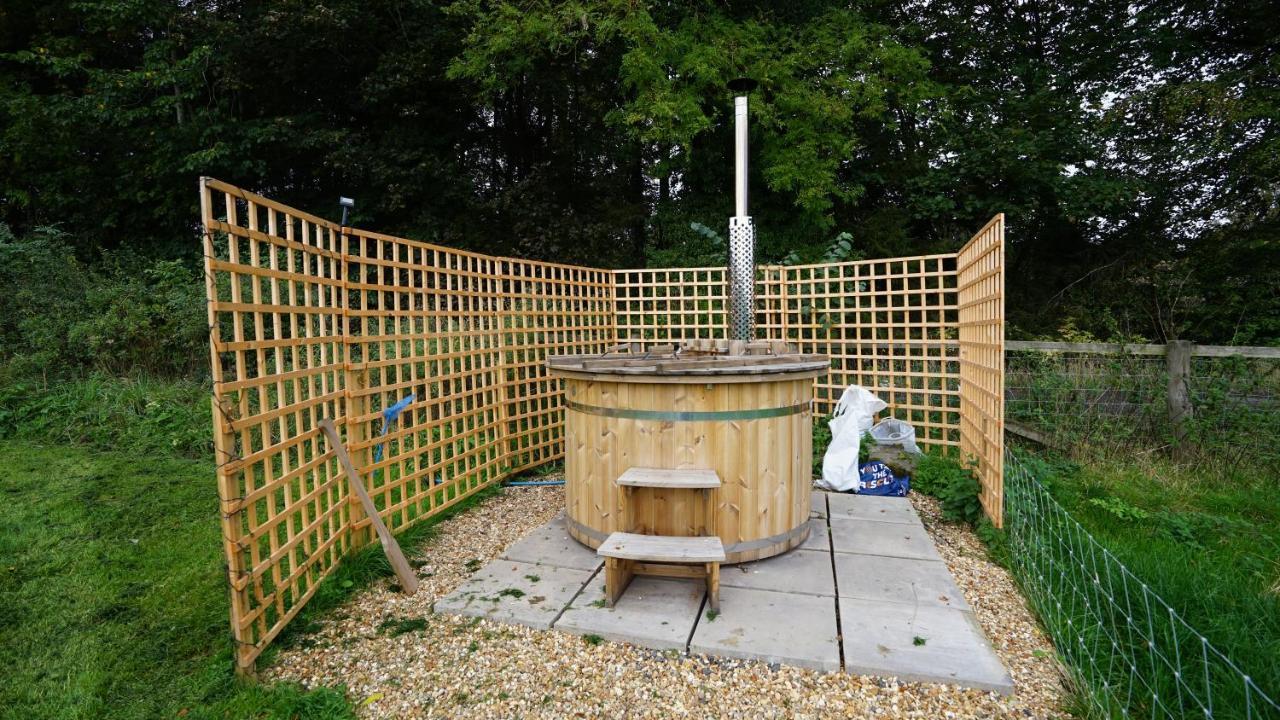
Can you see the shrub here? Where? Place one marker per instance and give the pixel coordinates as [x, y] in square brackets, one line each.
[65, 319]
[821, 439]
[953, 484]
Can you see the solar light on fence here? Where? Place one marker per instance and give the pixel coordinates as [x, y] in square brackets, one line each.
[346, 203]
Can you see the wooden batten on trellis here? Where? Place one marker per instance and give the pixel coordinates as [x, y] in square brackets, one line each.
[310, 320]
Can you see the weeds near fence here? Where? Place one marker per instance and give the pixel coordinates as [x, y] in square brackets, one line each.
[1130, 652]
[157, 417]
[1104, 403]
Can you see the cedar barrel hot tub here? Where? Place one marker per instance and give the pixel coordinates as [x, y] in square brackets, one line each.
[740, 409]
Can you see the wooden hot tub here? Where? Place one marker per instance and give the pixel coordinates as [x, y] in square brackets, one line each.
[748, 417]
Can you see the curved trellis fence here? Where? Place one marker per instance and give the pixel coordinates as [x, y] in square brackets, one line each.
[1129, 651]
[309, 320]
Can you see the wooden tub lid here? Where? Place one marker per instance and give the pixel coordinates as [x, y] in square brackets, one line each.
[702, 359]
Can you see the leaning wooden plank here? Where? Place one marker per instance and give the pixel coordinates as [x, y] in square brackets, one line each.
[687, 479]
[408, 580]
[662, 548]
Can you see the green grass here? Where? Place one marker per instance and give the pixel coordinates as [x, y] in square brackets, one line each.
[395, 627]
[112, 593]
[158, 417]
[1205, 537]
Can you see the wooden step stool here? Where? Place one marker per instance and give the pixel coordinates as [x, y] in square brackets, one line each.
[629, 554]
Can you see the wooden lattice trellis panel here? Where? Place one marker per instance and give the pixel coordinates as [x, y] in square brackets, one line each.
[311, 320]
[422, 320]
[888, 326]
[980, 295]
[546, 309]
[274, 278]
[671, 304]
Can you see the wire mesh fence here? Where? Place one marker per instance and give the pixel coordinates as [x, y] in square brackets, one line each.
[1128, 651]
[1084, 400]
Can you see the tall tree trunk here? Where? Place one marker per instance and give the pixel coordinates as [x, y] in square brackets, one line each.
[641, 208]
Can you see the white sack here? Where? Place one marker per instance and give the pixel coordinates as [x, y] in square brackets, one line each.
[853, 416]
[893, 431]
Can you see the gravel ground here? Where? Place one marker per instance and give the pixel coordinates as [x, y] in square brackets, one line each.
[398, 659]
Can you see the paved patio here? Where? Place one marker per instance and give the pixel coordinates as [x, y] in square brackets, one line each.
[867, 593]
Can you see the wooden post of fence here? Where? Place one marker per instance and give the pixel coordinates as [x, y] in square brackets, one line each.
[1178, 363]
[356, 401]
[507, 442]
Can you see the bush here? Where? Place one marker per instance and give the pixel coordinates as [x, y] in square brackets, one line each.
[44, 290]
[953, 484]
[65, 319]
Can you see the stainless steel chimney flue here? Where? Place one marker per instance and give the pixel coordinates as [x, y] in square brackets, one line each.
[742, 236]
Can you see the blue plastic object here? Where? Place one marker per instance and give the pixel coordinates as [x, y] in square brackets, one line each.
[875, 478]
[389, 416]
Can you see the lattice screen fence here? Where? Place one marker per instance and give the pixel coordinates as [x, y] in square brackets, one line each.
[311, 320]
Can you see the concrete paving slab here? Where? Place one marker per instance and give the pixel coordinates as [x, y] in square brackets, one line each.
[516, 592]
[550, 544]
[871, 507]
[654, 612]
[902, 580]
[898, 540]
[772, 627]
[919, 643]
[818, 503]
[819, 536]
[798, 571]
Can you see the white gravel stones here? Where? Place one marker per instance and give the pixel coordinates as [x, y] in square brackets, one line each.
[473, 668]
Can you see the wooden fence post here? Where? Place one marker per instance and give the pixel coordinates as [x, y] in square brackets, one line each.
[1178, 365]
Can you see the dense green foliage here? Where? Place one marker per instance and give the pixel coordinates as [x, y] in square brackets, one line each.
[112, 595]
[952, 483]
[1132, 146]
[124, 315]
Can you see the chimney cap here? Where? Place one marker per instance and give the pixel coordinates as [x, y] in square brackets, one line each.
[742, 84]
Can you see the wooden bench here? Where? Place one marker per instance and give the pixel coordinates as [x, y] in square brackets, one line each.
[628, 554]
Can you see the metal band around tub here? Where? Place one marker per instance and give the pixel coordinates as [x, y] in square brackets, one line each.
[690, 416]
[593, 534]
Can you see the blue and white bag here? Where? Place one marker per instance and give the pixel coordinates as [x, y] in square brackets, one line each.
[875, 478]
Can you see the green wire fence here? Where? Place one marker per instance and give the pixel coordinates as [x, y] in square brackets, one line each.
[1129, 652]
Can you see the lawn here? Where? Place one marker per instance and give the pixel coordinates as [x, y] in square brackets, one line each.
[113, 602]
[1205, 537]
